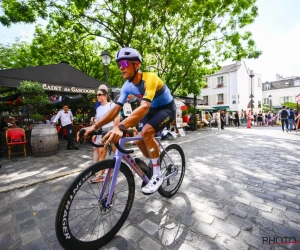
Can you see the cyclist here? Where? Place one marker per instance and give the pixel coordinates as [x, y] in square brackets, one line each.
[156, 111]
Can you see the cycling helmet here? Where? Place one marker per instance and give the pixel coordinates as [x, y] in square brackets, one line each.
[129, 54]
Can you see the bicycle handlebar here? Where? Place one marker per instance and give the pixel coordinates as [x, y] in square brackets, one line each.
[100, 132]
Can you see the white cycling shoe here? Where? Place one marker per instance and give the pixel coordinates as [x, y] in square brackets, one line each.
[154, 184]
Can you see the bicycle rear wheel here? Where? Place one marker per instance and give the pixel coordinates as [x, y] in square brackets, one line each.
[174, 155]
[82, 220]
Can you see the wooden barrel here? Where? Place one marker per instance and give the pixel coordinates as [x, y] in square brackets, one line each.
[44, 140]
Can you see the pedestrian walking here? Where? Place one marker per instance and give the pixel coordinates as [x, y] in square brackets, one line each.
[283, 117]
[222, 118]
[236, 119]
[291, 119]
[218, 118]
[100, 153]
[259, 119]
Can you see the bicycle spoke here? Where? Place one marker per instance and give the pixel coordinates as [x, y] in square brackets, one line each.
[84, 218]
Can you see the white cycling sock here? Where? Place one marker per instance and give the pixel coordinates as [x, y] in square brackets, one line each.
[156, 168]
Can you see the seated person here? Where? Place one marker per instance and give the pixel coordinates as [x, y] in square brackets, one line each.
[4, 123]
[12, 122]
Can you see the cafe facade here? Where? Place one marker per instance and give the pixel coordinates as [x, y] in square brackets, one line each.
[62, 83]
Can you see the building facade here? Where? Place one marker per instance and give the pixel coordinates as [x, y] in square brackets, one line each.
[230, 89]
[283, 89]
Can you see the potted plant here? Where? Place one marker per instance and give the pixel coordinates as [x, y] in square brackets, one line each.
[37, 118]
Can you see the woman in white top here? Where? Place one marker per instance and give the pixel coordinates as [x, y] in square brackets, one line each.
[106, 105]
[218, 118]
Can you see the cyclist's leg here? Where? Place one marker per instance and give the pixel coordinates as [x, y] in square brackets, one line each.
[141, 144]
[161, 117]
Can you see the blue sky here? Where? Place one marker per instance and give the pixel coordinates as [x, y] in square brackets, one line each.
[276, 32]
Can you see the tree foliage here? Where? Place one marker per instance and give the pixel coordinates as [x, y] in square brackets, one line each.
[180, 40]
[33, 93]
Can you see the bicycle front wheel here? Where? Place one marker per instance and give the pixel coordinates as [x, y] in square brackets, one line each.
[83, 221]
[172, 160]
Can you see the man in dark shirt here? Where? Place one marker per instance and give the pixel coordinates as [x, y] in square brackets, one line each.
[4, 123]
[283, 116]
[236, 119]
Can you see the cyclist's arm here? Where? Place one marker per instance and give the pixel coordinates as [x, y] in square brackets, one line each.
[137, 114]
[117, 120]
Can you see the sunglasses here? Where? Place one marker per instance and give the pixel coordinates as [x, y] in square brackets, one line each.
[100, 94]
[123, 64]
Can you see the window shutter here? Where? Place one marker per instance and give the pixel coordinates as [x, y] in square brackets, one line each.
[214, 99]
[281, 100]
[215, 83]
[225, 98]
[224, 80]
[209, 100]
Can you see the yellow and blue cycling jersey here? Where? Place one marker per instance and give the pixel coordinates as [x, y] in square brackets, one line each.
[151, 89]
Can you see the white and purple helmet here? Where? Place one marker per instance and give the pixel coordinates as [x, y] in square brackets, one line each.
[129, 54]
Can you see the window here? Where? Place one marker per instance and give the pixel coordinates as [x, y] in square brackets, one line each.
[220, 99]
[267, 86]
[297, 82]
[259, 104]
[266, 101]
[205, 99]
[220, 81]
[287, 99]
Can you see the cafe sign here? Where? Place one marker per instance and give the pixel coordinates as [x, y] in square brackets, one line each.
[70, 89]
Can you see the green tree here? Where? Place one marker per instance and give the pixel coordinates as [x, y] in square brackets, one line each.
[292, 105]
[16, 55]
[181, 40]
[34, 97]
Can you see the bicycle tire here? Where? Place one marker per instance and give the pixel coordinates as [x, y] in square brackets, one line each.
[80, 203]
[177, 155]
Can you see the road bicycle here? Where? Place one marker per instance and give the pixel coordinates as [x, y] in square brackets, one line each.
[90, 215]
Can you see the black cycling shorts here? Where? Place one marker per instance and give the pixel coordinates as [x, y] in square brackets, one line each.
[159, 118]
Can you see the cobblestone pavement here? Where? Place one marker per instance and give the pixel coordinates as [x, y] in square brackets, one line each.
[241, 187]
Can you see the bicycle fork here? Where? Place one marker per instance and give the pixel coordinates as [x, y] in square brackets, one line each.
[114, 173]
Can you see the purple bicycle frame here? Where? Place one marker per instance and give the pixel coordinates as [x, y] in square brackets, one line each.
[119, 156]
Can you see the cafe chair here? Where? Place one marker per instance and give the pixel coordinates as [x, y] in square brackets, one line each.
[15, 137]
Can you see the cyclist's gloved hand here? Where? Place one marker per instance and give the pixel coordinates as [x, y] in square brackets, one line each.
[112, 136]
[87, 130]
